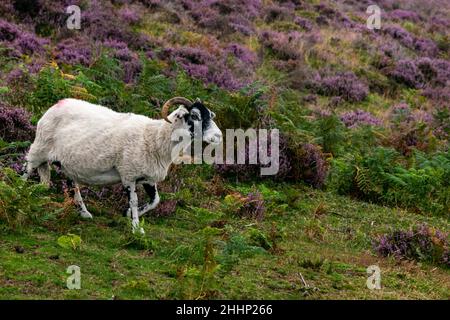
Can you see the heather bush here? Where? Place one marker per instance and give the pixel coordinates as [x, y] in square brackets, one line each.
[224, 17]
[241, 52]
[422, 243]
[446, 258]
[74, 51]
[359, 117]
[18, 85]
[274, 13]
[284, 46]
[46, 15]
[406, 72]
[400, 14]
[385, 56]
[101, 23]
[18, 165]
[149, 3]
[344, 84]
[249, 206]
[12, 155]
[393, 51]
[213, 68]
[6, 7]
[8, 31]
[411, 129]
[15, 124]
[241, 25]
[439, 25]
[130, 14]
[322, 20]
[19, 41]
[306, 24]
[439, 94]
[249, 172]
[309, 164]
[423, 46]
[165, 208]
[435, 72]
[300, 75]
[29, 44]
[401, 112]
[253, 206]
[143, 42]
[129, 60]
[325, 10]
[422, 72]
[400, 34]
[426, 47]
[208, 18]
[297, 162]
[427, 67]
[328, 15]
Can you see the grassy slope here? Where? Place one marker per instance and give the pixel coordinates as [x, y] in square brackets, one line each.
[324, 237]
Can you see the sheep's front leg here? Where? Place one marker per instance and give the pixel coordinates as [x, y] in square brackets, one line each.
[152, 193]
[133, 200]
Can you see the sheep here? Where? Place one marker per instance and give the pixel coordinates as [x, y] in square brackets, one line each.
[94, 145]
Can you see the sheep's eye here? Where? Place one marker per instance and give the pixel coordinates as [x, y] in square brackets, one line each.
[195, 117]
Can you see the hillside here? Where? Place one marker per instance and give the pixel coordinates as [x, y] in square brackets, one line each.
[364, 121]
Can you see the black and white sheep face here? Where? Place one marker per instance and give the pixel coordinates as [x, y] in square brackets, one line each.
[201, 124]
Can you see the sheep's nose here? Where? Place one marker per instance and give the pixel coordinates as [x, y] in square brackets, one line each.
[216, 138]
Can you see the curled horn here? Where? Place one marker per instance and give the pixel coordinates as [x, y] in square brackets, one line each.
[171, 102]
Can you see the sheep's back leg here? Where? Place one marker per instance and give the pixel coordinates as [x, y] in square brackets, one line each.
[79, 203]
[37, 159]
[43, 170]
[152, 192]
[133, 200]
[44, 173]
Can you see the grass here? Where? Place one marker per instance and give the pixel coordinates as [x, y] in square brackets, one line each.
[311, 244]
[201, 252]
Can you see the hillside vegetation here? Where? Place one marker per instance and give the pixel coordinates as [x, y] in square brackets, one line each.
[364, 177]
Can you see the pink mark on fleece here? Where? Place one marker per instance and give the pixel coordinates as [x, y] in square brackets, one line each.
[61, 103]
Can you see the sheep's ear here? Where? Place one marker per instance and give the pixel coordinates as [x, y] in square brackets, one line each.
[198, 100]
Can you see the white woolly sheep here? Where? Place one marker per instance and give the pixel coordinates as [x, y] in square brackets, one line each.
[94, 145]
